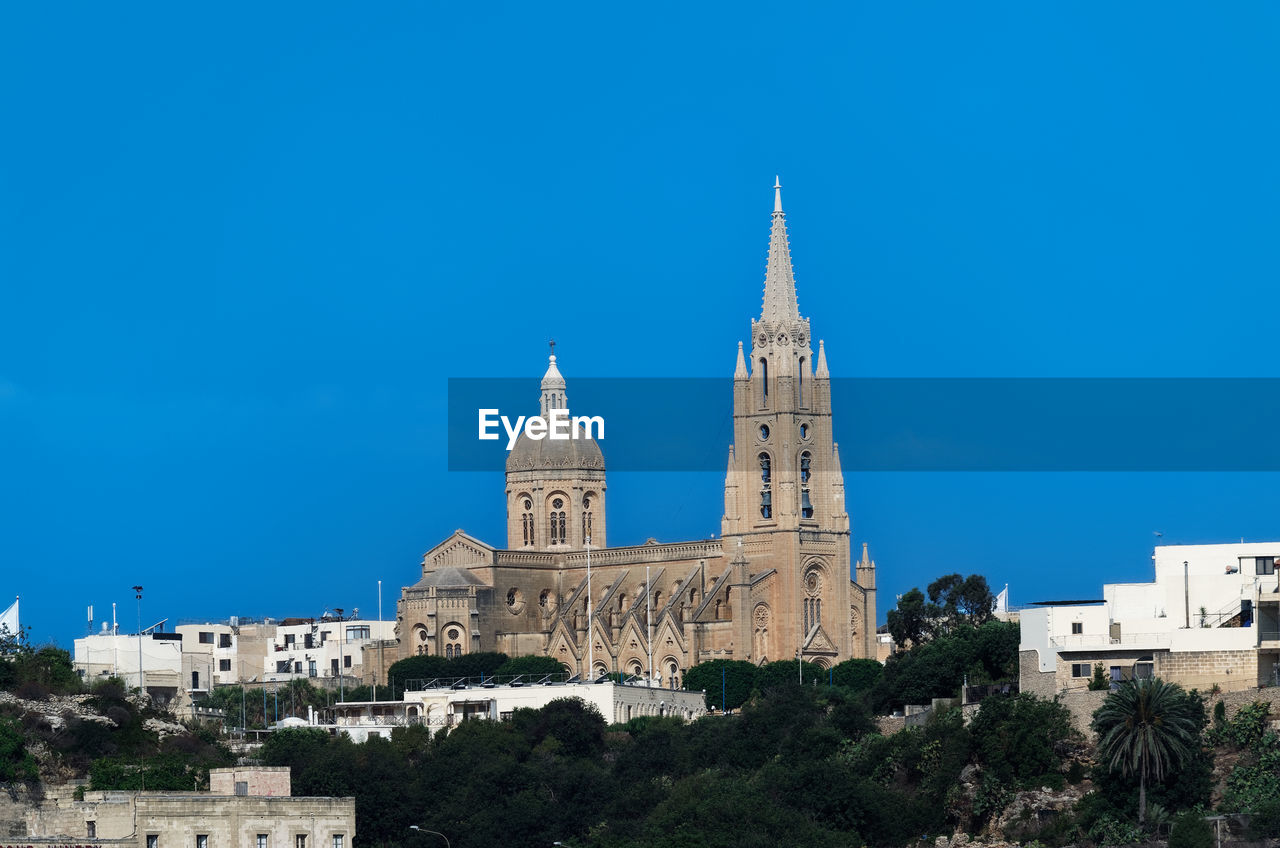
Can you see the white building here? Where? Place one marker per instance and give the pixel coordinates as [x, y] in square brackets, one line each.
[322, 648]
[114, 654]
[1210, 618]
[444, 706]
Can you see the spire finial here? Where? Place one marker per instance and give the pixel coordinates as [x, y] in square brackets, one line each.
[552, 342]
[777, 194]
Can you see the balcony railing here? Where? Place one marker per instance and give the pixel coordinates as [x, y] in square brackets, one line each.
[1083, 641]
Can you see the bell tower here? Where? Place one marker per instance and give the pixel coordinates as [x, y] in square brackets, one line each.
[784, 490]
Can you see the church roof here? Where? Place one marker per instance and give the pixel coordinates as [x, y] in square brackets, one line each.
[449, 577]
[555, 454]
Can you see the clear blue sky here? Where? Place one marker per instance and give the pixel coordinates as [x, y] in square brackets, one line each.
[243, 248]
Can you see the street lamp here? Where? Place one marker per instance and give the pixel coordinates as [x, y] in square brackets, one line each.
[436, 832]
[142, 684]
[591, 654]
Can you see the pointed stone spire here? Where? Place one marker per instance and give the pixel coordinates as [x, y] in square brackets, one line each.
[822, 372]
[740, 372]
[779, 281]
[866, 558]
[553, 395]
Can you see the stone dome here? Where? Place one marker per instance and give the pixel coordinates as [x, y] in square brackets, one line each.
[578, 454]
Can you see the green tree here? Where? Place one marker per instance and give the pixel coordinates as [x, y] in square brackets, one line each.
[16, 764]
[858, 675]
[962, 600]
[1017, 738]
[1100, 681]
[737, 676]
[532, 665]
[1147, 728]
[788, 673]
[911, 622]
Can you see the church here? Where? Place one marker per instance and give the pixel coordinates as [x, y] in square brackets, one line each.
[776, 582]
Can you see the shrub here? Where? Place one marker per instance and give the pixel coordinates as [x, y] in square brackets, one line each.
[1190, 830]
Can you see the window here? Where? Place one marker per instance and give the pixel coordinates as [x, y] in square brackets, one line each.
[91, 829]
[557, 522]
[1265, 565]
[766, 478]
[337, 840]
[308, 641]
[764, 380]
[297, 668]
[806, 505]
[224, 665]
[346, 661]
[206, 638]
[224, 640]
[361, 631]
[242, 787]
[290, 641]
[586, 518]
[804, 430]
[300, 841]
[262, 840]
[805, 461]
[311, 668]
[1081, 670]
[202, 840]
[526, 521]
[1077, 627]
[153, 840]
[764, 432]
[282, 666]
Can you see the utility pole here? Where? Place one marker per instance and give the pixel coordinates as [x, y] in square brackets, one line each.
[142, 680]
[378, 673]
[591, 656]
[341, 691]
[648, 617]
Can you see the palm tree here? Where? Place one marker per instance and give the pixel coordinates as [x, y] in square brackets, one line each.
[1146, 727]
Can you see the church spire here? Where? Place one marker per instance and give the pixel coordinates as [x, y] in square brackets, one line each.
[822, 372]
[779, 281]
[740, 372]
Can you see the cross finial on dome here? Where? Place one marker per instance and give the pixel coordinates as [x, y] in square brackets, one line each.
[552, 342]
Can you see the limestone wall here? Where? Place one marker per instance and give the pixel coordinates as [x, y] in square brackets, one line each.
[1229, 670]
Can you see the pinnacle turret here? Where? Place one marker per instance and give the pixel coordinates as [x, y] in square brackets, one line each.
[553, 395]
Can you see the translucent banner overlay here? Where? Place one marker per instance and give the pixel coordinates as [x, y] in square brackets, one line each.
[925, 424]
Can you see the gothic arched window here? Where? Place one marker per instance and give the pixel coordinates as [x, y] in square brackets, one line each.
[766, 493]
[557, 522]
[526, 521]
[806, 505]
[586, 518]
[764, 380]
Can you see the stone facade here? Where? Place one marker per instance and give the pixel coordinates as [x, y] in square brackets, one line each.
[199, 819]
[776, 582]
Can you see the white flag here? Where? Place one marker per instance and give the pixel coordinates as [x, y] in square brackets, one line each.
[9, 618]
[1002, 600]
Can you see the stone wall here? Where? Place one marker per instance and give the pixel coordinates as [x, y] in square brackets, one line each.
[1230, 670]
[1081, 705]
[268, 781]
[1042, 684]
